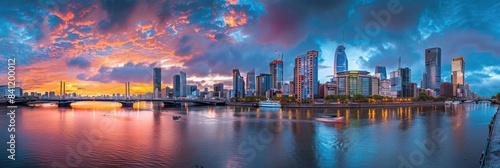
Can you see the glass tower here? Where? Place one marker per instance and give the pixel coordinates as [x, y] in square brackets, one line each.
[276, 71]
[156, 82]
[381, 72]
[433, 69]
[340, 63]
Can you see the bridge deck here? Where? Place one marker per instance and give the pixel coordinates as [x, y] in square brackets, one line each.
[492, 153]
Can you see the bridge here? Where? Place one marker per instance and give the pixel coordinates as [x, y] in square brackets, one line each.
[125, 102]
[493, 101]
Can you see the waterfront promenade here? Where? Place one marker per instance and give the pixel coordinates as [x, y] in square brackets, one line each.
[492, 153]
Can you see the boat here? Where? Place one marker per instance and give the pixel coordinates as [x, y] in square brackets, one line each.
[269, 103]
[330, 118]
[176, 117]
[447, 102]
[457, 102]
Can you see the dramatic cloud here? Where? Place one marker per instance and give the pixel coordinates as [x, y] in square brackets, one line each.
[96, 46]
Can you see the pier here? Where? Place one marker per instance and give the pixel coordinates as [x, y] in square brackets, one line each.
[491, 155]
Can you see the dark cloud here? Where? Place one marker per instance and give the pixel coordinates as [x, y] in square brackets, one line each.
[118, 13]
[79, 62]
[130, 72]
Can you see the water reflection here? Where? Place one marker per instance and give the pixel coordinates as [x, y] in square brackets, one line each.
[226, 136]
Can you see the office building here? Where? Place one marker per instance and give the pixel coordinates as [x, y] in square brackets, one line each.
[264, 84]
[238, 84]
[457, 76]
[400, 82]
[381, 72]
[156, 82]
[183, 84]
[433, 69]
[276, 71]
[357, 82]
[306, 76]
[446, 89]
[219, 90]
[177, 86]
[340, 63]
[250, 81]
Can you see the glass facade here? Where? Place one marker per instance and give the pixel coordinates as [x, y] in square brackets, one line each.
[357, 82]
[341, 63]
[177, 86]
[433, 68]
[156, 82]
[381, 71]
[276, 70]
[184, 90]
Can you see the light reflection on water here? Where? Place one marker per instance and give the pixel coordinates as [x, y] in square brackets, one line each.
[228, 136]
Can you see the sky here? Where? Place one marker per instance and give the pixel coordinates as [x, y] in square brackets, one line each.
[97, 46]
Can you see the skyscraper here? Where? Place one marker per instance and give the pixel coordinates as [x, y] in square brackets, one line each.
[400, 82]
[183, 88]
[457, 70]
[433, 69]
[340, 62]
[177, 86]
[276, 71]
[306, 76]
[251, 81]
[218, 90]
[264, 83]
[238, 84]
[381, 72]
[156, 82]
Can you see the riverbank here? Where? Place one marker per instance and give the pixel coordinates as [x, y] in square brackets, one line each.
[491, 156]
[345, 105]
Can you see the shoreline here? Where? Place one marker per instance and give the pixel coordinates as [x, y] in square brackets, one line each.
[350, 105]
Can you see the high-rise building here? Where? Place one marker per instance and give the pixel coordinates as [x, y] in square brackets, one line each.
[433, 69]
[457, 76]
[251, 81]
[340, 62]
[276, 71]
[413, 90]
[357, 82]
[306, 76]
[286, 88]
[190, 89]
[184, 91]
[156, 82]
[457, 70]
[238, 84]
[264, 84]
[400, 82]
[177, 86]
[446, 89]
[219, 89]
[381, 72]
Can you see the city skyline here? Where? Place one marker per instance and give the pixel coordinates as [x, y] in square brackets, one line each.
[100, 49]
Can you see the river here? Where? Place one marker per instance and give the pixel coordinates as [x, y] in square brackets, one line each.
[229, 136]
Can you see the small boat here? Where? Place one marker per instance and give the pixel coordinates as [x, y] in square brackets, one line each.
[457, 102]
[448, 102]
[269, 103]
[176, 117]
[330, 118]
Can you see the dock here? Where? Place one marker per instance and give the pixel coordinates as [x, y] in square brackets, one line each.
[491, 155]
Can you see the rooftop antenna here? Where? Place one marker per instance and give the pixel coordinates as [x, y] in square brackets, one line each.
[399, 63]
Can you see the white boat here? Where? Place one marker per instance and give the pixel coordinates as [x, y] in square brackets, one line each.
[448, 102]
[457, 102]
[269, 103]
[330, 118]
